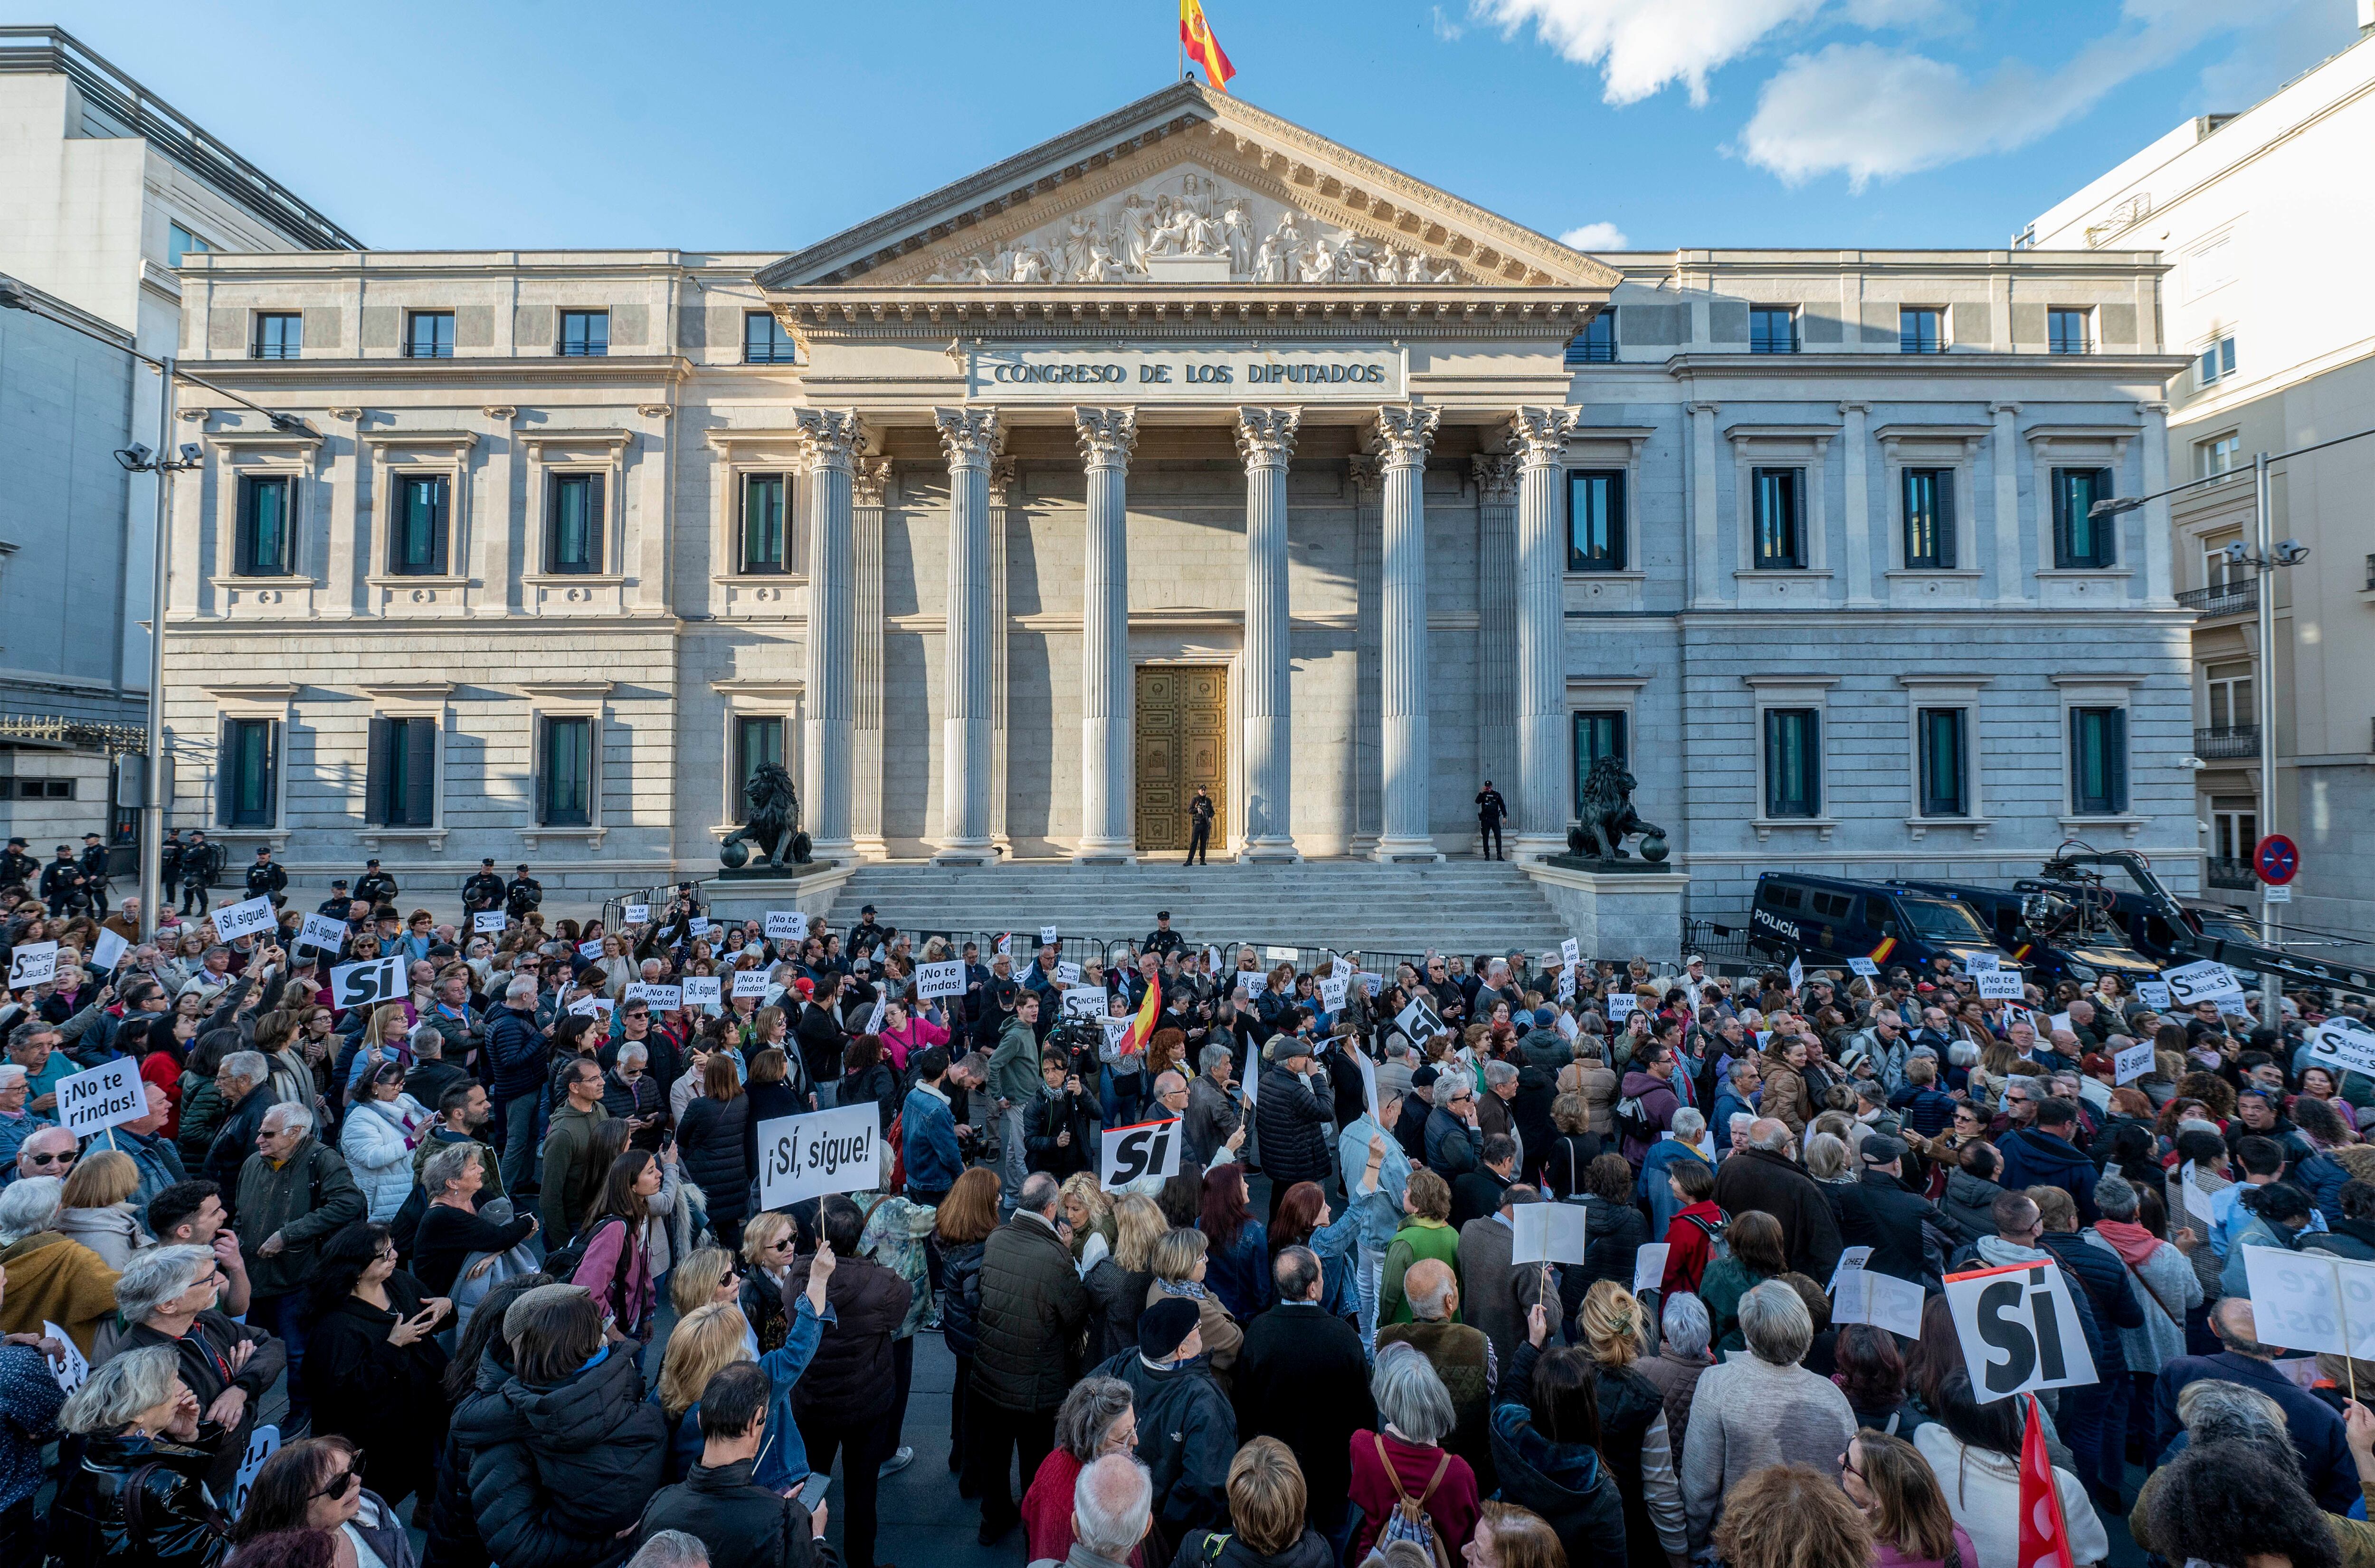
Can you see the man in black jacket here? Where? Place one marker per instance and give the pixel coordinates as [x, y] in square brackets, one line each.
[2094, 1419]
[1882, 1213]
[741, 1524]
[521, 894]
[375, 887]
[16, 866]
[266, 880]
[1302, 1378]
[1290, 1121]
[1162, 939]
[484, 890]
[1032, 1309]
[62, 883]
[1058, 1136]
[1491, 809]
[821, 1040]
[94, 872]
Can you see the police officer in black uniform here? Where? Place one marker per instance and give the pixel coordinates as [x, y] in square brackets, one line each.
[485, 891]
[94, 872]
[521, 894]
[1162, 938]
[1200, 827]
[375, 887]
[201, 863]
[62, 883]
[169, 867]
[1490, 809]
[16, 866]
[266, 878]
[338, 906]
[866, 934]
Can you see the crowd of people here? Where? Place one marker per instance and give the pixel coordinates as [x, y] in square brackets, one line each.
[490, 1259]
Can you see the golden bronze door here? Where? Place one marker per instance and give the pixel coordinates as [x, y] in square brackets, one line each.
[1183, 741]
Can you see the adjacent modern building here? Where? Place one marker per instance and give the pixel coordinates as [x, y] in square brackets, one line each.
[2245, 211]
[1187, 448]
[104, 189]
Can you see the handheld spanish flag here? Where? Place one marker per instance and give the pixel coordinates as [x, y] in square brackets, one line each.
[1142, 1028]
[1196, 37]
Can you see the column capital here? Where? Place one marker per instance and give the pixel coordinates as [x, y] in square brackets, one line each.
[832, 435]
[1405, 432]
[2151, 407]
[1107, 436]
[970, 437]
[2001, 408]
[870, 481]
[1855, 407]
[1367, 475]
[1497, 476]
[1702, 405]
[1003, 471]
[1538, 435]
[1266, 436]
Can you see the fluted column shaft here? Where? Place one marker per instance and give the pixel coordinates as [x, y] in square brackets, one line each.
[1403, 436]
[1540, 437]
[1106, 437]
[1266, 441]
[871, 482]
[829, 727]
[969, 438]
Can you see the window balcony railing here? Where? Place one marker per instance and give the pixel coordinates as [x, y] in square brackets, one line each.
[2236, 875]
[2225, 599]
[2226, 741]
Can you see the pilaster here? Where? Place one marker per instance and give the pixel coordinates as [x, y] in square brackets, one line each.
[1857, 514]
[2004, 457]
[1365, 477]
[1402, 436]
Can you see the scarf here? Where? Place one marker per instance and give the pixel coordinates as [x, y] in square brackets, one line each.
[2130, 1240]
[1191, 1289]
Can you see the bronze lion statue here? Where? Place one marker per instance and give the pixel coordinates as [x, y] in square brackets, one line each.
[1608, 816]
[772, 824]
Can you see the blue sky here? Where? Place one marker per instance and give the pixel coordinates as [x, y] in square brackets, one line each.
[1852, 123]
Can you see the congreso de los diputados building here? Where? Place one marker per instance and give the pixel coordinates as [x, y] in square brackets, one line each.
[1188, 448]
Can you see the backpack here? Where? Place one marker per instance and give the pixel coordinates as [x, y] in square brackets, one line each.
[1633, 1122]
[1717, 1247]
[1409, 1520]
[562, 1264]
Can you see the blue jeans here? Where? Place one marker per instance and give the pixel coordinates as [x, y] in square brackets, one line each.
[519, 1147]
[285, 1315]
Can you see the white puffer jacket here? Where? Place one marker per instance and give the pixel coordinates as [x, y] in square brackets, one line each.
[377, 1142]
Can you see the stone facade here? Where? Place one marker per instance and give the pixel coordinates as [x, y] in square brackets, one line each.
[1008, 487]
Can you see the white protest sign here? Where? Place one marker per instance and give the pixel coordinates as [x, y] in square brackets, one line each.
[819, 1152]
[1068, 974]
[634, 913]
[109, 950]
[2060, 1023]
[1331, 993]
[1117, 1030]
[1548, 1233]
[2203, 982]
[1864, 967]
[940, 980]
[249, 917]
[1981, 963]
[787, 925]
[262, 1445]
[1882, 1299]
[1369, 1070]
[874, 1019]
[2132, 1064]
[751, 983]
[592, 949]
[33, 963]
[486, 922]
[367, 984]
[1085, 1001]
[1278, 955]
[1371, 981]
[2020, 1330]
[591, 1006]
[1570, 952]
[1621, 1004]
[1418, 1020]
[2153, 994]
[2341, 1043]
[697, 927]
[1565, 1022]
[73, 1371]
[702, 991]
[2197, 1202]
[105, 1096]
[1650, 1266]
[1252, 982]
[1998, 985]
[1849, 1257]
[1146, 1149]
[1046, 935]
[1797, 974]
[2312, 1301]
[665, 998]
[1566, 985]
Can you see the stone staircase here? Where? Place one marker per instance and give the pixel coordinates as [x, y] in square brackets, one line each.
[1462, 906]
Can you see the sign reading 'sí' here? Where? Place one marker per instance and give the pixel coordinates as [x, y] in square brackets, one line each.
[1306, 374]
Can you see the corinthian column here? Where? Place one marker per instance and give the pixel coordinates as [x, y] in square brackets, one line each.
[1265, 440]
[832, 439]
[969, 437]
[1402, 437]
[1106, 437]
[1539, 436]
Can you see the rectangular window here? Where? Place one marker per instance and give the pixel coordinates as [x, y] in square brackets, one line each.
[400, 788]
[416, 537]
[2098, 761]
[180, 243]
[45, 789]
[1944, 792]
[1930, 519]
[1772, 329]
[2216, 455]
[1921, 329]
[246, 778]
[764, 341]
[429, 335]
[2218, 362]
[757, 741]
[2235, 825]
[279, 334]
[266, 514]
[1597, 734]
[565, 774]
[1595, 520]
[585, 334]
[2070, 332]
[1596, 344]
[1780, 542]
[762, 522]
[573, 531]
[2081, 539]
[1793, 762]
[2231, 705]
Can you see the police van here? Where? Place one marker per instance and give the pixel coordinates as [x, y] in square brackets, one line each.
[1828, 920]
[2049, 936]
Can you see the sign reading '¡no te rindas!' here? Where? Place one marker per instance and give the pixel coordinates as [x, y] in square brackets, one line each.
[1215, 375]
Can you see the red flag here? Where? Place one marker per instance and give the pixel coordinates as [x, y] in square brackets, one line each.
[2044, 1532]
[1196, 37]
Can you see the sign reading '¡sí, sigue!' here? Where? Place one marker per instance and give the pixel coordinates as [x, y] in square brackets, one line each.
[1217, 374]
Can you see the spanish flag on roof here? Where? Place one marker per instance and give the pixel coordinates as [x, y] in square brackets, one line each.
[1195, 37]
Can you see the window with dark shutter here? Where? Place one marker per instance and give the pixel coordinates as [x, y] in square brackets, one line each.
[1930, 519]
[574, 529]
[2081, 539]
[417, 533]
[1774, 504]
[245, 777]
[1793, 778]
[2098, 761]
[1597, 734]
[764, 532]
[1595, 520]
[262, 534]
[564, 782]
[1943, 765]
[400, 779]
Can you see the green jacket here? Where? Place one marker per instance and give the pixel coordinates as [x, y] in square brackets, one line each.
[1419, 1238]
[1014, 1066]
[569, 1181]
[307, 1199]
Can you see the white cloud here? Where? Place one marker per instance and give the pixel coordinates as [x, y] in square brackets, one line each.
[1642, 46]
[2278, 49]
[1445, 28]
[1601, 236]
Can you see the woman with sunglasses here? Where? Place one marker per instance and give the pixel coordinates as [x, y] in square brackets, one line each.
[373, 1365]
[316, 1483]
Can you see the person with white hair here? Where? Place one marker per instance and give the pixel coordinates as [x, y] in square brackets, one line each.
[17, 1123]
[1405, 1455]
[172, 1296]
[519, 1049]
[669, 1549]
[1683, 1355]
[1113, 1503]
[1689, 1142]
[295, 1192]
[1761, 1409]
[51, 1279]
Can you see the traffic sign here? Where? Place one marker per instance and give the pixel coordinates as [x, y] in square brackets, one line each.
[2277, 860]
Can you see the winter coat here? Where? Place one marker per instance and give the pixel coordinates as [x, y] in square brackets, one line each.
[1452, 1145]
[2167, 1290]
[110, 1233]
[1566, 1483]
[1118, 1296]
[878, 1083]
[1676, 1378]
[1881, 1212]
[1596, 1082]
[849, 1379]
[1046, 1116]
[959, 1296]
[1785, 1096]
[1969, 1201]
[558, 1471]
[1289, 1120]
[377, 1142]
[1659, 1104]
[1034, 1309]
[1303, 1379]
[308, 1199]
[1187, 1435]
[2035, 1159]
[180, 1528]
[519, 1049]
[388, 1398]
[928, 1127]
[234, 1138]
[444, 1515]
[1638, 1450]
[1211, 1117]
[1223, 1549]
[1760, 1178]
[710, 1139]
[743, 1524]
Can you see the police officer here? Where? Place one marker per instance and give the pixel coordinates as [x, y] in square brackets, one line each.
[169, 867]
[521, 894]
[483, 891]
[266, 878]
[375, 887]
[1490, 809]
[62, 883]
[17, 865]
[1162, 938]
[94, 872]
[1200, 827]
[338, 906]
[201, 863]
[866, 934]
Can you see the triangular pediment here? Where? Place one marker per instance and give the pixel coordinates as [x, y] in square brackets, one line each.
[1189, 187]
